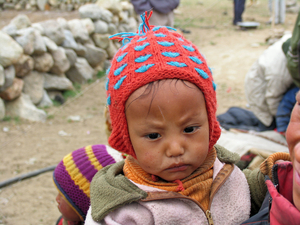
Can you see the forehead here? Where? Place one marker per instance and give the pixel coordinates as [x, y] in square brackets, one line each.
[165, 92]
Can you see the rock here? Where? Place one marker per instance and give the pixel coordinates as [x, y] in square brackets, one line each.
[70, 7]
[123, 15]
[10, 29]
[81, 72]
[22, 107]
[101, 40]
[9, 74]
[95, 12]
[132, 24]
[53, 82]
[21, 21]
[13, 91]
[38, 27]
[50, 45]
[54, 3]
[69, 41]
[115, 20]
[95, 55]
[10, 50]
[90, 42]
[89, 25]
[78, 30]
[127, 6]
[34, 86]
[63, 23]
[43, 63]
[24, 65]
[81, 50]
[101, 27]
[111, 49]
[113, 6]
[112, 29]
[2, 109]
[53, 30]
[41, 4]
[39, 44]
[2, 76]
[71, 55]
[46, 101]
[61, 62]
[8, 5]
[26, 38]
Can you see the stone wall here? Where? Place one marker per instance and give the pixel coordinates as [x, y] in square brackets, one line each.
[65, 5]
[39, 61]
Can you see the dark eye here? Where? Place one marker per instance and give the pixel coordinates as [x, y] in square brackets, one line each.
[153, 136]
[190, 129]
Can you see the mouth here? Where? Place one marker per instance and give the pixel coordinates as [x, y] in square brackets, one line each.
[177, 167]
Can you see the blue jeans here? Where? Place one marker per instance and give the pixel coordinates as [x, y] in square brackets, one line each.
[239, 7]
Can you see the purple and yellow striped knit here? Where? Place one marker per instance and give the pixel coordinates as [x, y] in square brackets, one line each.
[74, 173]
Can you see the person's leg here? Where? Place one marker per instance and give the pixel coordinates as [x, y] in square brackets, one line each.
[270, 6]
[281, 11]
[276, 11]
[159, 19]
[239, 7]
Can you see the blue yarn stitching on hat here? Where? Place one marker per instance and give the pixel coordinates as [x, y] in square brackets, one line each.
[170, 54]
[121, 57]
[141, 39]
[143, 58]
[201, 73]
[107, 83]
[141, 47]
[177, 64]
[195, 59]
[189, 48]
[214, 85]
[108, 100]
[120, 69]
[158, 27]
[144, 68]
[160, 35]
[118, 84]
[180, 39]
[165, 43]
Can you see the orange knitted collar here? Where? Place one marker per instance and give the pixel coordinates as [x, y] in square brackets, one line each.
[196, 186]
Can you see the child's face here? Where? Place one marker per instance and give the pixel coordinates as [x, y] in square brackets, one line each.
[169, 131]
[293, 140]
[67, 212]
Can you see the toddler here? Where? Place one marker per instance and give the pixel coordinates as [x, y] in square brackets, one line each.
[162, 105]
[72, 178]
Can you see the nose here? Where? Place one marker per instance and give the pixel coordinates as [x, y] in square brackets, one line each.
[58, 198]
[175, 147]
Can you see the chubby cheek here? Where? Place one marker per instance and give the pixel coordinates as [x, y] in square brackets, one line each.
[149, 161]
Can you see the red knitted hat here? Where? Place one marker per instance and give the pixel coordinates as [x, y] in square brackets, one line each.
[155, 53]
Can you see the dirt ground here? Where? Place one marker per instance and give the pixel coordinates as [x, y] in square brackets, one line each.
[27, 146]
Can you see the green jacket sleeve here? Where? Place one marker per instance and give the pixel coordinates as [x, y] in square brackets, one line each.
[258, 188]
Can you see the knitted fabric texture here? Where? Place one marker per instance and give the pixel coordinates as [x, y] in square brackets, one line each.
[267, 165]
[155, 53]
[197, 185]
[74, 173]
